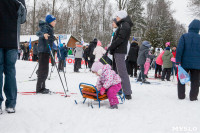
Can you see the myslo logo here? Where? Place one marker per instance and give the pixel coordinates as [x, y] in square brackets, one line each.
[185, 129]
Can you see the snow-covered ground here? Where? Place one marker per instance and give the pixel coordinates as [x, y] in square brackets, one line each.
[154, 108]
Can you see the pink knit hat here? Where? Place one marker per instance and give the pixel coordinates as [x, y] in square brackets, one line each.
[97, 66]
[168, 44]
[99, 43]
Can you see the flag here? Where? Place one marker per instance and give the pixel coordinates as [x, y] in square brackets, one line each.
[59, 41]
[30, 44]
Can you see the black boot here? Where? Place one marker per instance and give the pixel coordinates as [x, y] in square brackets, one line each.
[128, 97]
[44, 91]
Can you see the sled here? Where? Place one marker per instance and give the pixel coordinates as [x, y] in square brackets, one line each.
[89, 91]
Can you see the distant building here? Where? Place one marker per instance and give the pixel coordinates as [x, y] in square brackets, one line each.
[68, 39]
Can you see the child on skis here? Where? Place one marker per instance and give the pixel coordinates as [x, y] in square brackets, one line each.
[167, 64]
[46, 38]
[108, 81]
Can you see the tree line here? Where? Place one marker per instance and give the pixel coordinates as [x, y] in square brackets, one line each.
[153, 19]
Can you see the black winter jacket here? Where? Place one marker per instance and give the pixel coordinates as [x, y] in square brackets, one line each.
[12, 14]
[133, 52]
[45, 28]
[91, 48]
[121, 37]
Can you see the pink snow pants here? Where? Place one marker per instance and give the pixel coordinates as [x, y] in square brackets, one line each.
[112, 94]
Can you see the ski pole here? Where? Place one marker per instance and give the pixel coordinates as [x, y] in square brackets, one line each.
[58, 71]
[33, 70]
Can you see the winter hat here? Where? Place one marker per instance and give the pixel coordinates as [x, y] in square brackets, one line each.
[146, 43]
[168, 44]
[122, 14]
[167, 48]
[97, 67]
[50, 18]
[99, 43]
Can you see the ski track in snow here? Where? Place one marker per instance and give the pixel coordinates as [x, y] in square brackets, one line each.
[153, 109]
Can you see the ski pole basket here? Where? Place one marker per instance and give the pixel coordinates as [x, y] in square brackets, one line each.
[91, 92]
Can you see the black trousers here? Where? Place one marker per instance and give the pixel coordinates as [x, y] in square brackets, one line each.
[158, 69]
[86, 63]
[166, 71]
[61, 65]
[194, 91]
[77, 64]
[132, 65]
[43, 70]
[35, 57]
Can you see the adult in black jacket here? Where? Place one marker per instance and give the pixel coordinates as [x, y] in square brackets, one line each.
[91, 48]
[85, 55]
[46, 36]
[12, 15]
[119, 49]
[132, 58]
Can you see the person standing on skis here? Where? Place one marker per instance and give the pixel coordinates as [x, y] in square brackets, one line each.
[46, 37]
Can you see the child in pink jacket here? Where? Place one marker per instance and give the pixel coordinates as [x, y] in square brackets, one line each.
[108, 81]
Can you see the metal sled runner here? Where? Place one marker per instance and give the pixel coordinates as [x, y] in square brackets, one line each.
[91, 92]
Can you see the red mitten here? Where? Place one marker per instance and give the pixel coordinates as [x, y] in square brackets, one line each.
[102, 90]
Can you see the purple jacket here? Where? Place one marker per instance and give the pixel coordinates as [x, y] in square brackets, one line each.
[108, 78]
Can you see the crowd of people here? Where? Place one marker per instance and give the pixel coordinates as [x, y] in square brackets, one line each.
[111, 77]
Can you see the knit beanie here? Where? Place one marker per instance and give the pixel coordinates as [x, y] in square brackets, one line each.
[99, 43]
[168, 44]
[122, 14]
[50, 18]
[97, 67]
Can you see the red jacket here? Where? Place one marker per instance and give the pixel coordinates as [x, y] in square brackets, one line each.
[174, 54]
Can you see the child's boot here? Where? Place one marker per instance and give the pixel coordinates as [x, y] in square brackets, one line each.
[114, 106]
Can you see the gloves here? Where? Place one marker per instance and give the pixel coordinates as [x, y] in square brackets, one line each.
[102, 90]
[178, 65]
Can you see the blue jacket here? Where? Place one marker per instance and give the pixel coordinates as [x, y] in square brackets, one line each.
[188, 50]
[43, 43]
[62, 53]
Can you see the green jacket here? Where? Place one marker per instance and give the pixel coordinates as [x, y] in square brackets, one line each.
[167, 63]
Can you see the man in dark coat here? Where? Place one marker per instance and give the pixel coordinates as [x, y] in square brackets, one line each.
[46, 36]
[91, 48]
[132, 58]
[119, 49]
[12, 15]
[188, 56]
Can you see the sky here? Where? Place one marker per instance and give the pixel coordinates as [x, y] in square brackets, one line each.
[182, 12]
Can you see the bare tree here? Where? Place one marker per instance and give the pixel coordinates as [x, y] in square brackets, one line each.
[122, 4]
[195, 7]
